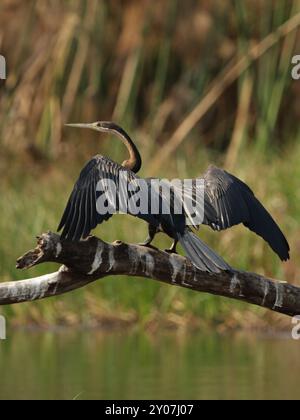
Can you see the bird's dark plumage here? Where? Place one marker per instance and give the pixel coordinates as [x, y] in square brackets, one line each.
[236, 203]
[227, 202]
[81, 216]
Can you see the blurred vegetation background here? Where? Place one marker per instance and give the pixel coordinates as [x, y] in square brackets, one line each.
[193, 82]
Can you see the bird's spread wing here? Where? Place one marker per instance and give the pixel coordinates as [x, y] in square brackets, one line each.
[82, 213]
[189, 198]
[235, 203]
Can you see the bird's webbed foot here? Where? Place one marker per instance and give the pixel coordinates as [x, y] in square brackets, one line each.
[149, 240]
[173, 249]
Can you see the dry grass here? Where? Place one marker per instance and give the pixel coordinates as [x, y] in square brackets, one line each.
[145, 65]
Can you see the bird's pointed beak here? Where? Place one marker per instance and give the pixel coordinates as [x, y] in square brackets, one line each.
[80, 125]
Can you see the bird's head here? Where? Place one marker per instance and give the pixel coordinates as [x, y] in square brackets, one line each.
[135, 161]
[100, 126]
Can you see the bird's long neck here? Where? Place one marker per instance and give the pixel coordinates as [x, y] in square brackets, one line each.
[134, 163]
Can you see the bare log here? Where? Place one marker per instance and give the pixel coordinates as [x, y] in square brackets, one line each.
[90, 260]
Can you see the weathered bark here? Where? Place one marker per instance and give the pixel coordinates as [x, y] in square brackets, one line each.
[87, 261]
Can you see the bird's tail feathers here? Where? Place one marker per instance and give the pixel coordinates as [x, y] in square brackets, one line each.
[204, 258]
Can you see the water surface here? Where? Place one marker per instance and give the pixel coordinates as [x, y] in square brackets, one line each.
[93, 365]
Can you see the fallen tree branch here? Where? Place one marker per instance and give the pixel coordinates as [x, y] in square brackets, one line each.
[87, 261]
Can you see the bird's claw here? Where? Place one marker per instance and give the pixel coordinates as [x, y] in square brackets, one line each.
[145, 244]
[171, 251]
[149, 246]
